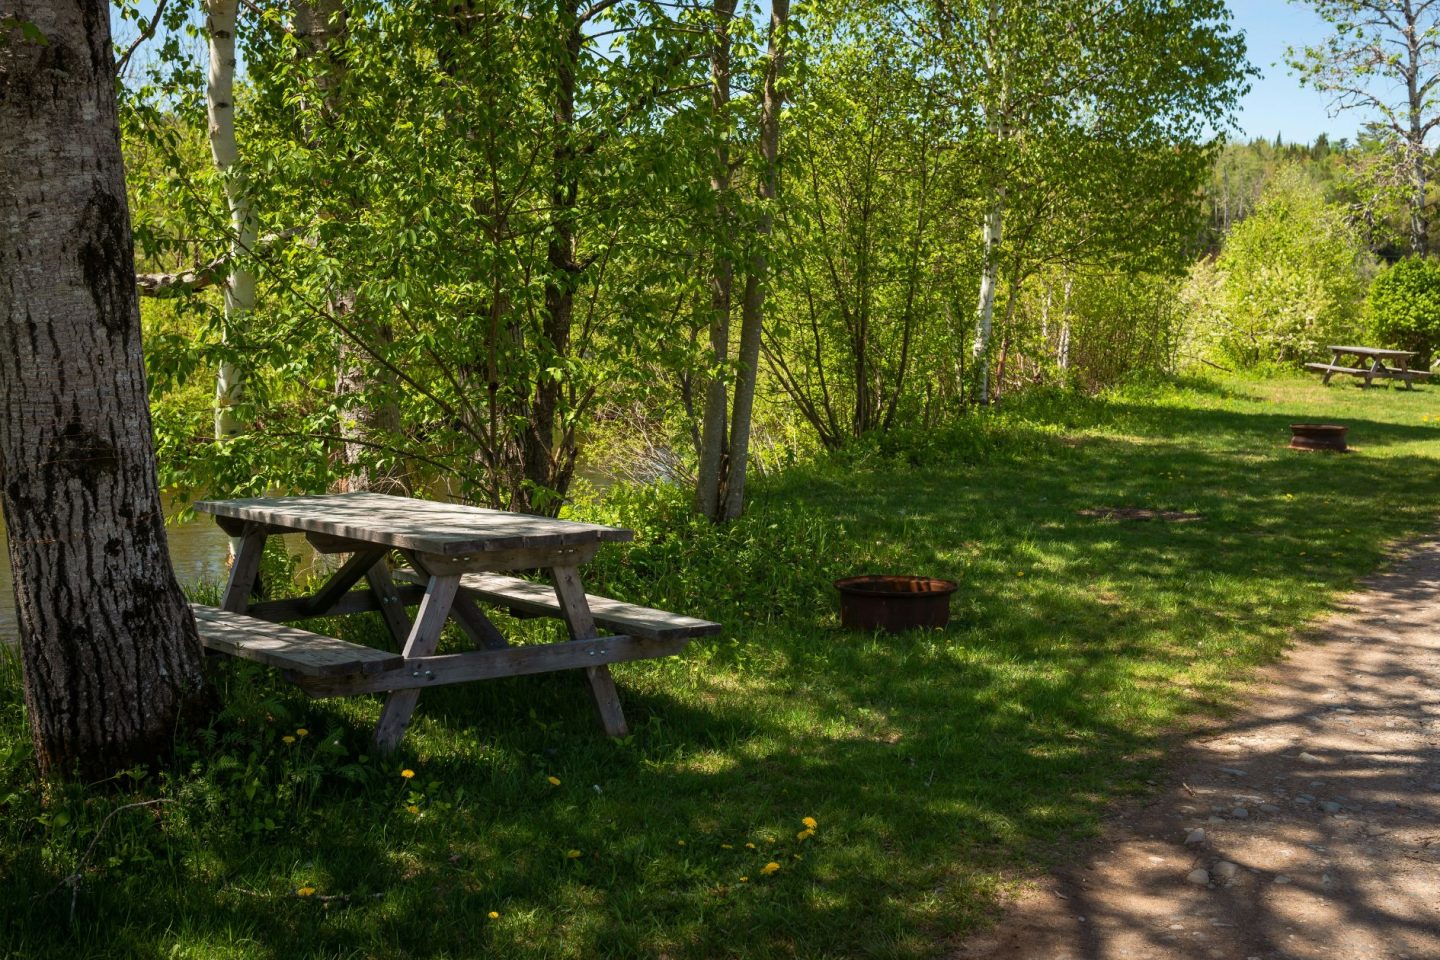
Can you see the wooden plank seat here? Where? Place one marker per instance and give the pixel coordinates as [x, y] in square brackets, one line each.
[1333, 368]
[297, 651]
[525, 598]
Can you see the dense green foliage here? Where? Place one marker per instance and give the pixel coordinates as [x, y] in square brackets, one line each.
[935, 765]
[1290, 279]
[486, 231]
[1403, 309]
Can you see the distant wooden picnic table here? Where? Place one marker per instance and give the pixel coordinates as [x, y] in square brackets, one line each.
[1370, 364]
[457, 559]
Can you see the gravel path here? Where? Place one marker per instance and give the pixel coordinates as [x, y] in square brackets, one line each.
[1306, 826]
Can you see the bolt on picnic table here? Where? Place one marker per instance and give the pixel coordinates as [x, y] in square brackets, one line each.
[1377, 369]
[456, 555]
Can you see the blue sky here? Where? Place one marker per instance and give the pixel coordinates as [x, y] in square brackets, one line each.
[1277, 104]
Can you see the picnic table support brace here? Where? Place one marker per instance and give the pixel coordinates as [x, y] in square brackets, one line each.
[244, 568]
[581, 623]
[424, 635]
[391, 606]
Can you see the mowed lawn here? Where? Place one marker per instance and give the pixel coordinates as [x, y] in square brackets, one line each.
[936, 767]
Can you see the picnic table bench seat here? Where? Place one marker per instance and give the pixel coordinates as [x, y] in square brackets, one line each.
[289, 648]
[525, 598]
[1336, 368]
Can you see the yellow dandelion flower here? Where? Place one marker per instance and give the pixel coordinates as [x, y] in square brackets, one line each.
[554, 781]
[749, 846]
[770, 868]
[744, 879]
[572, 854]
[305, 892]
[804, 834]
[493, 915]
[407, 773]
[413, 809]
[287, 739]
[302, 732]
[679, 843]
[810, 823]
[726, 846]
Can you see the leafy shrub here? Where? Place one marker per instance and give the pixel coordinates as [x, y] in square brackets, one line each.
[1290, 280]
[773, 565]
[1403, 309]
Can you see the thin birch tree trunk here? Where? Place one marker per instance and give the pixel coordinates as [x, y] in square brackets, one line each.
[757, 279]
[111, 657]
[714, 435]
[220, 18]
[989, 282]
[1062, 353]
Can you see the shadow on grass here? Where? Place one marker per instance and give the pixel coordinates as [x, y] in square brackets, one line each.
[934, 763]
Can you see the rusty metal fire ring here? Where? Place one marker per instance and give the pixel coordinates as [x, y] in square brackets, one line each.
[894, 603]
[1319, 436]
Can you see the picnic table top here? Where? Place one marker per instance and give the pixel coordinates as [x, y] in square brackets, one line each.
[1372, 351]
[405, 523]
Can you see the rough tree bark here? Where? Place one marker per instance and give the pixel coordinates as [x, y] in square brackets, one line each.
[111, 658]
[752, 309]
[240, 288]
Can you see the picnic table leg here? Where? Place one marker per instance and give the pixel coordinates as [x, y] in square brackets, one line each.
[244, 569]
[1334, 362]
[424, 635]
[581, 623]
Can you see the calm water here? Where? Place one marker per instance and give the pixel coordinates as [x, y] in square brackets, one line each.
[199, 550]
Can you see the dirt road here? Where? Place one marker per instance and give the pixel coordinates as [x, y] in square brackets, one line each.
[1306, 826]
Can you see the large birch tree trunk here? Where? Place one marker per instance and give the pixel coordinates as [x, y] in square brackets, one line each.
[111, 658]
[752, 309]
[240, 288]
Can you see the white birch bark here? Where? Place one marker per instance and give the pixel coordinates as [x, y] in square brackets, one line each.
[989, 282]
[1062, 353]
[220, 18]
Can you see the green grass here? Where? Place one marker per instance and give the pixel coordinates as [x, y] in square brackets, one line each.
[939, 766]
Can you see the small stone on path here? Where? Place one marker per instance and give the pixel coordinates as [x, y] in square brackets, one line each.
[1330, 806]
[1239, 813]
[1225, 870]
[1195, 836]
[1199, 876]
[1310, 758]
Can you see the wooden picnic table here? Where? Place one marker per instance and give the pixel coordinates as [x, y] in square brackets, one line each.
[1370, 364]
[457, 557]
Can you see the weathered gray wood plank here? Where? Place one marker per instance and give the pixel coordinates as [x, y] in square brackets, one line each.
[424, 635]
[538, 599]
[513, 661]
[343, 579]
[392, 601]
[289, 648]
[356, 601]
[575, 611]
[244, 568]
[444, 529]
